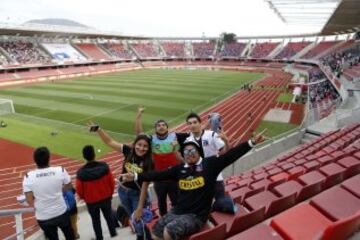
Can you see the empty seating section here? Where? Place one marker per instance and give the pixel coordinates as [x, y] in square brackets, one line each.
[118, 50]
[232, 49]
[174, 49]
[203, 49]
[319, 48]
[145, 50]
[25, 52]
[291, 49]
[262, 50]
[317, 170]
[92, 51]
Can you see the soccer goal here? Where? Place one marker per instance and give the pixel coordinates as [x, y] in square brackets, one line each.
[6, 106]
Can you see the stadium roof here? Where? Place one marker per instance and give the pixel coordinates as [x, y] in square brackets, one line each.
[332, 16]
[59, 31]
[346, 19]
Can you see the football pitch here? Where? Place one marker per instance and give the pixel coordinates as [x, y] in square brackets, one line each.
[55, 114]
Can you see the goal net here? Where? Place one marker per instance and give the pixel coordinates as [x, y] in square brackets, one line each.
[6, 106]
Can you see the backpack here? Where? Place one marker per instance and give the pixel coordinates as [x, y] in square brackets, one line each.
[70, 200]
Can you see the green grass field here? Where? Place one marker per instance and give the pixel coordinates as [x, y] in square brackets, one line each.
[285, 97]
[275, 128]
[111, 100]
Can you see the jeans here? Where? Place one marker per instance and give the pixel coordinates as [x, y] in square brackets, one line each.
[129, 200]
[50, 227]
[163, 189]
[94, 211]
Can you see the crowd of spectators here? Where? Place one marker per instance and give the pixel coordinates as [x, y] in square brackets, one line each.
[24, 52]
[118, 50]
[203, 49]
[174, 49]
[341, 60]
[232, 49]
[321, 91]
[3, 60]
[315, 74]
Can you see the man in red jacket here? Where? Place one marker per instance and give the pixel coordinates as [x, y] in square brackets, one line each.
[95, 184]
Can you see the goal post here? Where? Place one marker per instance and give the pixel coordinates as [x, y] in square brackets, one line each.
[6, 106]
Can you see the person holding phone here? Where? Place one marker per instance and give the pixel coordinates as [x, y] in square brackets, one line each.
[137, 160]
[196, 180]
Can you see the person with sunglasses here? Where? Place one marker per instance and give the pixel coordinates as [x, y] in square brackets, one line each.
[196, 179]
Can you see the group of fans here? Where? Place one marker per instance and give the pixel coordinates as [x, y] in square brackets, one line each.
[186, 167]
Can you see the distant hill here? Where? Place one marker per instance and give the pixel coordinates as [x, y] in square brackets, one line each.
[57, 21]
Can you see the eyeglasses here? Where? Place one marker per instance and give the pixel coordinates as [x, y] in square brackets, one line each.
[190, 151]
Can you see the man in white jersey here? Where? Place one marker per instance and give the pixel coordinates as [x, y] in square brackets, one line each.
[210, 145]
[43, 187]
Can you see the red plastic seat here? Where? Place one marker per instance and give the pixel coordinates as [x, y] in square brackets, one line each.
[309, 191]
[312, 165]
[215, 233]
[279, 177]
[325, 159]
[288, 188]
[246, 221]
[264, 183]
[219, 218]
[262, 199]
[353, 185]
[312, 177]
[296, 172]
[260, 231]
[351, 164]
[300, 222]
[342, 229]
[238, 194]
[334, 174]
[280, 204]
[336, 203]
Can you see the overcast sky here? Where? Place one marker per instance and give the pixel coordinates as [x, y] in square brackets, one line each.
[185, 18]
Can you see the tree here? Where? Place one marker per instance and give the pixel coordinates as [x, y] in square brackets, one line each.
[228, 37]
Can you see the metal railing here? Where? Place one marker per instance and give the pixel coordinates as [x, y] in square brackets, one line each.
[17, 213]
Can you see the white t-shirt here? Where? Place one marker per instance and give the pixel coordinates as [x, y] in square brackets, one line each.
[46, 184]
[211, 143]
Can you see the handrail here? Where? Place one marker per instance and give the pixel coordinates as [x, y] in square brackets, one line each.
[10, 212]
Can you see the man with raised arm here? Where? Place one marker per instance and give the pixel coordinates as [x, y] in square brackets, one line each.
[196, 180]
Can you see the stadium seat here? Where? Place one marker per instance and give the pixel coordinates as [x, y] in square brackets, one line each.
[300, 222]
[351, 164]
[334, 174]
[296, 172]
[309, 191]
[262, 199]
[352, 185]
[238, 194]
[218, 217]
[312, 177]
[288, 188]
[342, 229]
[215, 233]
[246, 221]
[326, 159]
[260, 231]
[280, 204]
[264, 183]
[312, 165]
[336, 203]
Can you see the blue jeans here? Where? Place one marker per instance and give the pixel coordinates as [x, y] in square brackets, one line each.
[130, 199]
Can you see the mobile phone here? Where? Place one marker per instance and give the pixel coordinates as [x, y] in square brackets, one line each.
[94, 128]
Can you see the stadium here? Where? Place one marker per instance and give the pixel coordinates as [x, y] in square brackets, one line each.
[301, 183]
